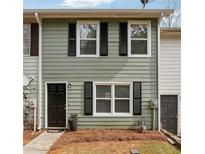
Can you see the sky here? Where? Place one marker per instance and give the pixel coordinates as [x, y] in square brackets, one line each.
[98, 4]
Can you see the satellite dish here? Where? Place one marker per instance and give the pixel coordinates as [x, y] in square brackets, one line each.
[144, 1]
[25, 80]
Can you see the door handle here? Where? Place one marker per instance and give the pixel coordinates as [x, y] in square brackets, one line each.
[65, 106]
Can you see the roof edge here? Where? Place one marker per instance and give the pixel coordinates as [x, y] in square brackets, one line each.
[170, 29]
[96, 12]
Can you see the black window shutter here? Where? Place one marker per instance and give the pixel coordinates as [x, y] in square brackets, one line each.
[137, 98]
[123, 39]
[72, 39]
[103, 39]
[88, 98]
[34, 39]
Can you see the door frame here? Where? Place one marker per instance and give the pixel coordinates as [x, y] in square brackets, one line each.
[178, 101]
[46, 104]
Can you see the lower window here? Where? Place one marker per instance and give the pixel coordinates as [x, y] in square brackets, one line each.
[112, 99]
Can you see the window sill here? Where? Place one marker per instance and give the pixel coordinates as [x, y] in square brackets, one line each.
[145, 56]
[113, 115]
[87, 56]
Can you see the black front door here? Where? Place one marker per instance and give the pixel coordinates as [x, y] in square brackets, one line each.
[169, 113]
[56, 105]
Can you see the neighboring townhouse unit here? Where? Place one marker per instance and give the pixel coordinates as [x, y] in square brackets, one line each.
[30, 69]
[102, 64]
[170, 79]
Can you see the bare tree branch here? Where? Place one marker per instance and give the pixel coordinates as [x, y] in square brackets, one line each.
[174, 19]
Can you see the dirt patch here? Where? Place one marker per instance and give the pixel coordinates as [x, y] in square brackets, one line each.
[105, 135]
[29, 135]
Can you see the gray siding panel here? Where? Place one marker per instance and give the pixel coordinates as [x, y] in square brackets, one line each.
[57, 66]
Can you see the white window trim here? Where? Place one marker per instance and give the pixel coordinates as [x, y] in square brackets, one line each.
[113, 114]
[148, 22]
[28, 55]
[97, 38]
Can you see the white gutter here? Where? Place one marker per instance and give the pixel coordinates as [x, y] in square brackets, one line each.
[39, 70]
[98, 13]
[159, 92]
[104, 11]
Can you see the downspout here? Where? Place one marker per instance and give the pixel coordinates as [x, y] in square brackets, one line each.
[154, 107]
[153, 112]
[158, 44]
[39, 69]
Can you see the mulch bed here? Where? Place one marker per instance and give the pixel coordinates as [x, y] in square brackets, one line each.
[99, 135]
[29, 135]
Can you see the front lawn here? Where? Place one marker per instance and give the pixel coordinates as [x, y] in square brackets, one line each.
[112, 141]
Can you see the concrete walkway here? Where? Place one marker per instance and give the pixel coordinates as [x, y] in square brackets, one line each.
[41, 144]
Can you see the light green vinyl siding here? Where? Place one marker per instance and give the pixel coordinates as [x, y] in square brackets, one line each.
[58, 66]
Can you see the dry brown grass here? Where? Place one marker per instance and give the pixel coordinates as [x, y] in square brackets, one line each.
[111, 141]
[117, 147]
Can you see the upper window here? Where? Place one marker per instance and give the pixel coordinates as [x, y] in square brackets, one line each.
[26, 39]
[112, 99]
[87, 38]
[139, 39]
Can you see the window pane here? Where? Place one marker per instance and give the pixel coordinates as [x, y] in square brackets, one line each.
[88, 47]
[122, 91]
[26, 51]
[138, 31]
[88, 31]
[103, 91]
[26, 43]
[122, 106]
[139, 47]
[26, 46]
[103, 106]
[26, 31]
